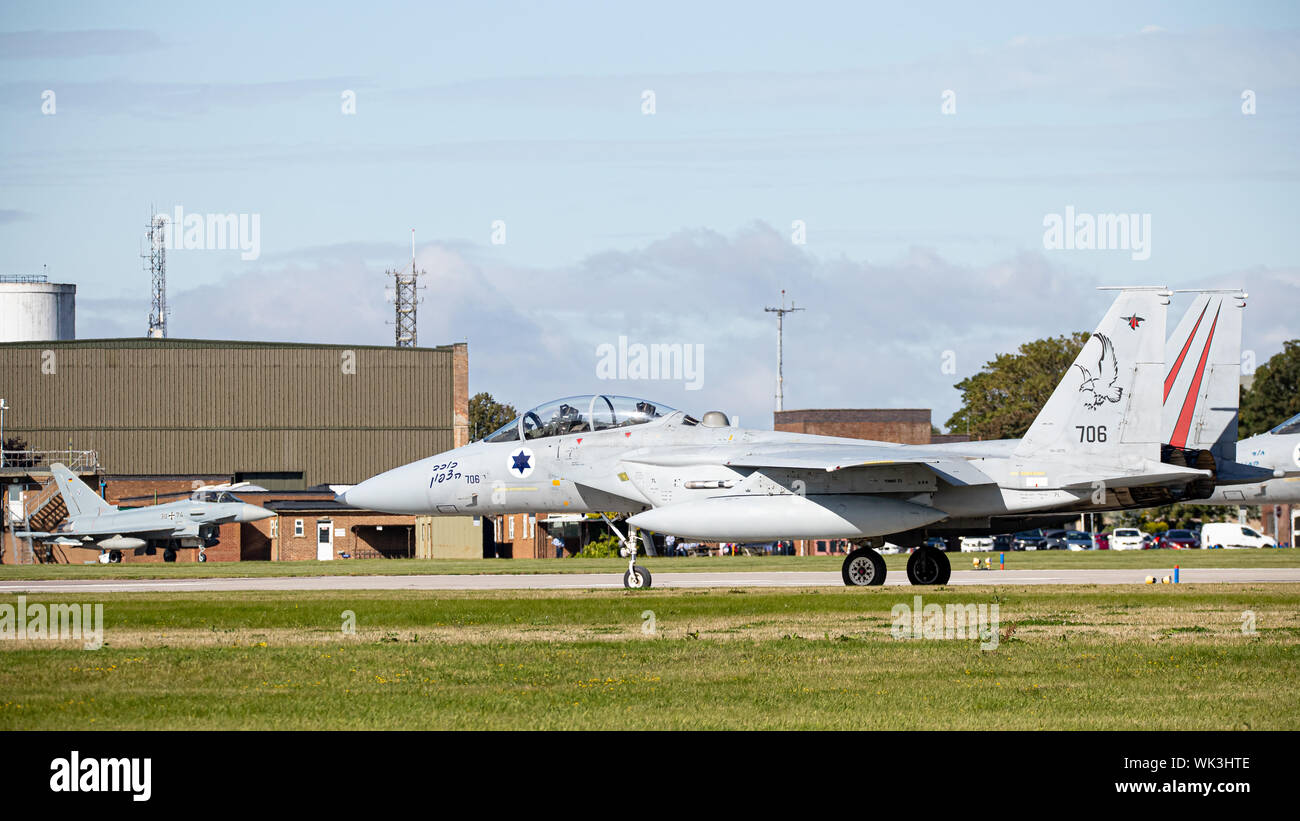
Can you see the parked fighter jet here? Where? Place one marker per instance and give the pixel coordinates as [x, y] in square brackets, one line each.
[1277, 453]
[189, 523]
[1202, 399]
[703, 479]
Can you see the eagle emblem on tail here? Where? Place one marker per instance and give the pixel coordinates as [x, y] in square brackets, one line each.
[1100, 388]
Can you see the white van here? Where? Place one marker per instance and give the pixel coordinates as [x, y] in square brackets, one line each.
[1231, 534]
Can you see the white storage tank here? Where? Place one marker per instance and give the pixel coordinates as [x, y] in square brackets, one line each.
[33, 310]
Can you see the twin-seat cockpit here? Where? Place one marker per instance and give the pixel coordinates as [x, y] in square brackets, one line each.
[582, 414]
[219, 496]
[1290, 426]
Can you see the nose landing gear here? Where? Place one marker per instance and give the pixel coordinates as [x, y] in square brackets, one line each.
[636, 577]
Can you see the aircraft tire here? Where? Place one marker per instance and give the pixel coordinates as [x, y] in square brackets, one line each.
[928, 566]
[863, 567]
[642, 580]
[169, 555]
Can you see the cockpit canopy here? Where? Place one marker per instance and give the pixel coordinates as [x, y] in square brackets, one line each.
[579, 414]
[1291, 425]
[222, 496]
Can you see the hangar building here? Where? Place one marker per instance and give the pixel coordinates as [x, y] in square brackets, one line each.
[282, 415]
[161, 417]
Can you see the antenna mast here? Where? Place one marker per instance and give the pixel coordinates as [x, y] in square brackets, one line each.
[157, 257]
[780, 341]
[406, 283]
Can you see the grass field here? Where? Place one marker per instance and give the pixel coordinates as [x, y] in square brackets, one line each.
[1079, 657]
[1045, 560]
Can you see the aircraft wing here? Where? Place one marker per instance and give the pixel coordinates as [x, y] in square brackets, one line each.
[91, 529]
[829, 458]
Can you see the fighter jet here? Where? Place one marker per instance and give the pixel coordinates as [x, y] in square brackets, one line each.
[705, 479]
[1277, 452]
[187, 523]
[1202, 398]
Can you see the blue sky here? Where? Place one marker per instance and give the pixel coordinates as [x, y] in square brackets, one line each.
[924, 230]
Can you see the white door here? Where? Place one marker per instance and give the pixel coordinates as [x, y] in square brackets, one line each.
[324, 541]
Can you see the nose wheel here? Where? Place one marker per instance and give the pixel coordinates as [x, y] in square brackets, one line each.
[636, 577]
[928, 565]
[863, 567]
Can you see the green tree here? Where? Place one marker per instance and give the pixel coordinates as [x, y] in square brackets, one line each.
[486, 415]
[604, 546]
[1179, 516]
[1275, 395]
[1001, 401]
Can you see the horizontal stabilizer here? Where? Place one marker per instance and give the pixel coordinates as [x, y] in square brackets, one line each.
[1153, 473]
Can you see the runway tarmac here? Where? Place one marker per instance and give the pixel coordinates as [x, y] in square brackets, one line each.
[587, 581]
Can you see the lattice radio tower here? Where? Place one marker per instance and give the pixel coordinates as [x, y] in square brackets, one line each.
[157, 260]
[405, 285]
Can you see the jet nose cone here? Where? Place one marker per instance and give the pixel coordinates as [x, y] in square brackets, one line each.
[253, 513]
[401, 490]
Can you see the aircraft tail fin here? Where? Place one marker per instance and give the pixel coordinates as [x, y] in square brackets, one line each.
[79, 499]
[1203, 384]
[1108, 403]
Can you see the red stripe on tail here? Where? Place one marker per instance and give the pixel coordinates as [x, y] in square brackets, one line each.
[1178, 363]
[1179, 439]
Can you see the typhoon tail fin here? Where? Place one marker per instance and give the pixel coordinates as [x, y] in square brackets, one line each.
[79, 499]
[1203, 383]
[1108, 403]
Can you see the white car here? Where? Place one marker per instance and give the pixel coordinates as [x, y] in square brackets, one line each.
[1127, 538]
[1231, 535]
[975, 544]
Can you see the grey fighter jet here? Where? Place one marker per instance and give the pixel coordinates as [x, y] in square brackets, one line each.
[704, 479]
[1202, 398]
[1276, 452]
[188, 523]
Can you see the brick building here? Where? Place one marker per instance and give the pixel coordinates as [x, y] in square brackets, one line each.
[1281, 522]
[908, 426]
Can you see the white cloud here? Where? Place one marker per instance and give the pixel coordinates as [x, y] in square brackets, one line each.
[873, 335]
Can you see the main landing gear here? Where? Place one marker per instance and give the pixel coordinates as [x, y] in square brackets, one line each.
[928, 565]
[864, 567]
